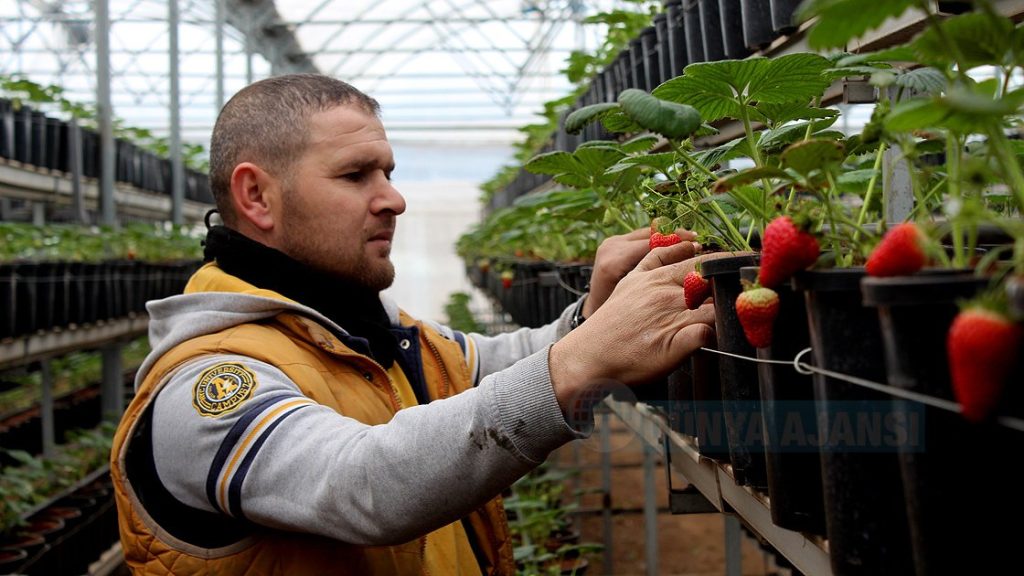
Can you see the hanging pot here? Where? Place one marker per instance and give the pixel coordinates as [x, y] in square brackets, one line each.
[757, 24]
[783, 12]
[676, 27]
[731, 15]
[711, 30]
[694, 34]
[790, 424]
[740, 394]
[865, 512]
[915, 313]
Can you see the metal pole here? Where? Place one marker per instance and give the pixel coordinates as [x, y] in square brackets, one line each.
[650, 512]
[46, 408]
[733, 553]
[177, 167]
[105, 114]
[112, 388]
[38, 214]
[75, 157]
[219, 32]
[606, 490]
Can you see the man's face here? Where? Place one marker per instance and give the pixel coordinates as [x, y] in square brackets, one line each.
[339, 208]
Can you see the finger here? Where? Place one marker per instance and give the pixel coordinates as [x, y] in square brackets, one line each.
[686, 234]
[704, 314]
[691, 338]
[638, 234]
[660, 257]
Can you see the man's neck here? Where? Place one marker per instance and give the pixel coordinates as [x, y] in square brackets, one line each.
[355, 308]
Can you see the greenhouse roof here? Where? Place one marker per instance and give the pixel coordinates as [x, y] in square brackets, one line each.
[442, 69]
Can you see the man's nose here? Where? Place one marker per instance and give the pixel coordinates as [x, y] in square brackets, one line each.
[388, 199]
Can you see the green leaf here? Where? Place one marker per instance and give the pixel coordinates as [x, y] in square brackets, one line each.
[978, 100]
[594, 160]
[552, 163]
[810, 155]
[618, 122]
[923, 80]
[787, 112]
[915, 113]
[578, 119]
[981, 39]
[590, 143]
[840, 21]
[641, 143]
[777, 137]
[718, 89]
[881, 58]
[661, 161]
[855, 180]
[744, 177]
[738, 148]
[572, 180]
[669, 119]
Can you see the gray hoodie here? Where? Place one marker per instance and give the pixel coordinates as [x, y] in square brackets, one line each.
[283, 461]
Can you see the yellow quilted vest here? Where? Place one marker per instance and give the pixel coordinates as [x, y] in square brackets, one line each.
[336, 376]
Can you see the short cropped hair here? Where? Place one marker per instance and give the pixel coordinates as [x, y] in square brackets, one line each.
[267, 123]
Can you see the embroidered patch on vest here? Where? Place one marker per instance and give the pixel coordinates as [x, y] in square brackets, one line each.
[223, 388]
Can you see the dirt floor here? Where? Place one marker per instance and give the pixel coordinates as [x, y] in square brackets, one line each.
[691, 545]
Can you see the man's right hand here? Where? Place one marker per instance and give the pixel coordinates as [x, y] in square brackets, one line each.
[642, 332]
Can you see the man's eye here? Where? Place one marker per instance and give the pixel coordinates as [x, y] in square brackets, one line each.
[353, 176]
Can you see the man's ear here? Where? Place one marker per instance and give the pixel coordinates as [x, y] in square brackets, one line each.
[254, 193]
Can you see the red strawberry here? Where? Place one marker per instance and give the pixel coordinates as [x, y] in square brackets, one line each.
[695, 289]
[785, 250]
[658, 239]
[756, 308]
[982, 345]
[506, 278]
[900, 252]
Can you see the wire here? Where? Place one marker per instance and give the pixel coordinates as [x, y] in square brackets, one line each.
[808, 369]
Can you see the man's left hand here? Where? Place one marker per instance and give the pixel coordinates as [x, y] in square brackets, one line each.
[616, 257]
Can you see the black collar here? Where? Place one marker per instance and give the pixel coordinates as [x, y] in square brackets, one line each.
[356, 309]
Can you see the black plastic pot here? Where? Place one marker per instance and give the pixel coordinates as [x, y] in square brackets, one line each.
[8, 291]
[40, 156]
[941, 488]
[6, 129]
[26, 291]
[661, 35]
[865, 511]
[782, 16]
[23, 135]
[676, 25]
[757, 24]
[731, 15]
[637, 78]
[694, 35]
[790, 423]
[51, 298]
[680, 400]
[62, 157]
[740, 394]
[711, 30]
[709, 424]
[90, 153]
[652, 58]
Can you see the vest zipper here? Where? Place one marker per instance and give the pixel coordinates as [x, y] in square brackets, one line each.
[440, 363]
[423, 556]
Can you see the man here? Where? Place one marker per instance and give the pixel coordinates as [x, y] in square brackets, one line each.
[291, 421]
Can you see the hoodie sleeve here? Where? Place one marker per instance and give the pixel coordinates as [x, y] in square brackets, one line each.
[486, 355]
[264, 452]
